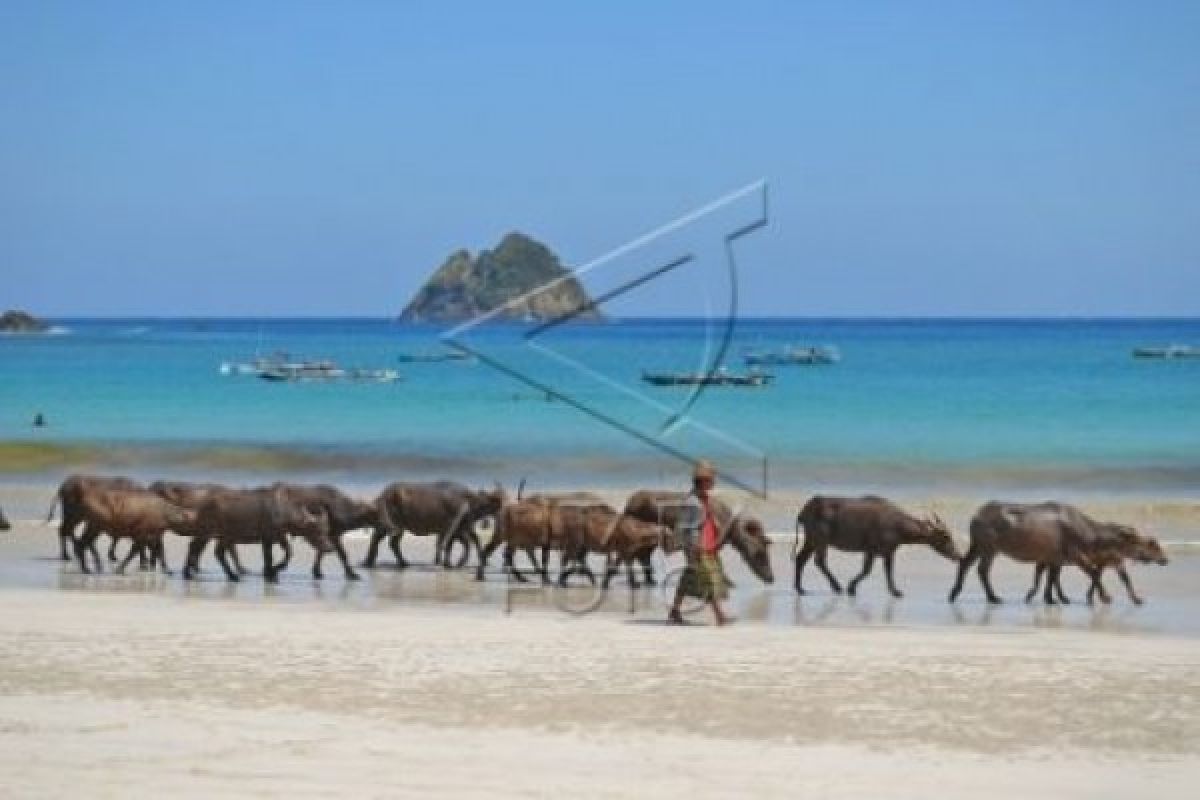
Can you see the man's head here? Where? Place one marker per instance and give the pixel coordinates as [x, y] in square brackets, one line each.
[704, 477]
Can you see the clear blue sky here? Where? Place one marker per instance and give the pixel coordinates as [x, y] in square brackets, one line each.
[952, 158]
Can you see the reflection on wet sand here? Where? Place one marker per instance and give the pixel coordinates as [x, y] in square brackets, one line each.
[1174, 605]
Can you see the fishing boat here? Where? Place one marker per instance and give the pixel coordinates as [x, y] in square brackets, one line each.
[280, 368]
[1170, 351]
[810, 356]
[302, 371]
[433, 357]
[720, 377]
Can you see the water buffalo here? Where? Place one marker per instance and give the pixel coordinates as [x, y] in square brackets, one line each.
[580, 523]
[633, 540]
[264, 516]
[137, 514]
[744, 532]
[869, 525]
[1050, 534]
[1127, 544]
[4, 524]
[187, 494]
[344, 514]
[445, 509]
[70, 500]
[528, 525]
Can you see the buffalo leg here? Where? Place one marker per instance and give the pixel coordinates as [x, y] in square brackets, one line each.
[1052, 573]
[612, 564]
[1062, 596]
[340, 549]
[394, 543]
[822, 553]
[469, 539]
[84, 544]
[112, 548]
[377, 536]
[647, 563]
[270, 572]
[1058, 590]
[160, 553]
[970, 558]
[285, 542]
[568, 566]
[484, 554]
[1038, 569]
[868, 562]
[223, 560]
[441, 547]
[192, 561]
[511, 567]
[1097, 587]
[584, 569]
[801, 562]
[1123, 574]
[237, 561]
[889, 559]
[133, 550]
[544, 571]
[985, 577]
[66, 533]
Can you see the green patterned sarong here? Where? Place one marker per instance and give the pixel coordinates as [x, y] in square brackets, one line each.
[703, 578]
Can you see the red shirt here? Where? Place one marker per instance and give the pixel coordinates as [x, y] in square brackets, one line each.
[708, 531]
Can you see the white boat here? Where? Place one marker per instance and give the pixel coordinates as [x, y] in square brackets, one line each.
[1170, 351]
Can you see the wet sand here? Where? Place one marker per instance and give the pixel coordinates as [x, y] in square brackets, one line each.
[427, 681]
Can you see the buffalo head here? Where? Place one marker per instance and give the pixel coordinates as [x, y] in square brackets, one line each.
[938, 536]
[748, 537]
[182, 520]
[312, 523]
[1138, 546]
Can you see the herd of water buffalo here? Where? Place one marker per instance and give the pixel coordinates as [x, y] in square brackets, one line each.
[575, 525]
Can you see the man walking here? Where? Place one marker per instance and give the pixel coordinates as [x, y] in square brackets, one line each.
[698, 532]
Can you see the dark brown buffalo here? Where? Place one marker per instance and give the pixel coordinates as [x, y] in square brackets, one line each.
[136, 514]
[1050, 534]
[344, 514]
[580, 523]
[187, 494]
[70, 500]
[633, 541]
[744, 532]
[586, 524]
[869, 525]
[4, 524]
[528, 525]
[259, 516]
[1128, 544]
[444, 509]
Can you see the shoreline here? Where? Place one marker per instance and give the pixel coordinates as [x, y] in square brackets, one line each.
[31, 459]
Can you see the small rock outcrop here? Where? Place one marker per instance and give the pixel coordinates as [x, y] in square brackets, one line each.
[464, 287]
[21, 322]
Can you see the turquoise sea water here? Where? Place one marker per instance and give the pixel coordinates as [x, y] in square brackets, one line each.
[1057, 402]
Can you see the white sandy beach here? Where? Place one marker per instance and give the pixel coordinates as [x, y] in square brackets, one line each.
[417, 682]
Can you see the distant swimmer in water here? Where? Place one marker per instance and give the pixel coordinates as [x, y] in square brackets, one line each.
[39, 420]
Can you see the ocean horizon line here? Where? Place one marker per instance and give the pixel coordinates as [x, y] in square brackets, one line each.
[769, 318]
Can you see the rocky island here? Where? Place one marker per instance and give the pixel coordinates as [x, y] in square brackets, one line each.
[464, 287]
[21, 322]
